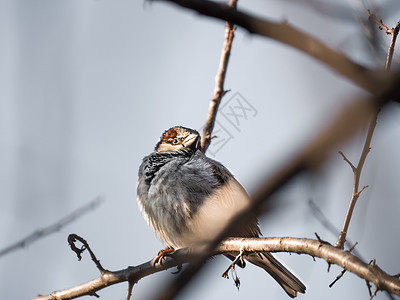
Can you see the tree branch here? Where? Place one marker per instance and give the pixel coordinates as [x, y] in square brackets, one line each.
[331, 254]
[372, 81]
[357, 174]
[219, 91]
[367, 146]
[390, 31]
[369, 272]
[107, 278]
[40, 233]
[395, 33]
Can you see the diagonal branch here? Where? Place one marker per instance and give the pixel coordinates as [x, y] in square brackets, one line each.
[372, 81]
[40, 233]
[219, 90]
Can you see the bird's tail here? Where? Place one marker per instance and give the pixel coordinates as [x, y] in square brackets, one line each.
[290, 283]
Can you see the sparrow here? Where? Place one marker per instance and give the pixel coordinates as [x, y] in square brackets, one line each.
[188, 198]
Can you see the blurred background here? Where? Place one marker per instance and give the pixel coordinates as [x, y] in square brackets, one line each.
[87, 88]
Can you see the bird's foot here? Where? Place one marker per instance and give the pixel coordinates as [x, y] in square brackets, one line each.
[162, 253]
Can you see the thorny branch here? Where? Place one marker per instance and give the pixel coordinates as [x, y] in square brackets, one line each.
[40, 233]
[370, 272]
[219, 90]
[367, 146]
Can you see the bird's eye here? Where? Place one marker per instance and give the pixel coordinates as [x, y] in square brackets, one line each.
[175, 141]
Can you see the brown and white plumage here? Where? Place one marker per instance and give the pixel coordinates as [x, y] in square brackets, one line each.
[187, 198]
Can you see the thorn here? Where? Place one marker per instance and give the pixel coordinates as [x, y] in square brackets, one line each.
[352, 247]
[94, 294]
[321, 240]
[338, 277]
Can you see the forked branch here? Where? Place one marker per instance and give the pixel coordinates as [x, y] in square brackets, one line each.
[357, 170]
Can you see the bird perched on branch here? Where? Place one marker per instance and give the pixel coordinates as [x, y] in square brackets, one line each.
[188, 198]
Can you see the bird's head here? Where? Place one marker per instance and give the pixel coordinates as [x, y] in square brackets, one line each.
[179, 139]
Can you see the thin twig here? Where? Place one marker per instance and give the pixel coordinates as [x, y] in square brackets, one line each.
[357, 171]
[348, 161]
[72, 238]
[374, 293]
[219, 90]
[338, 277]
[395, 33]
[356, 181]
[381, 26]
[321, 240]
[130, 288]
[390, 31]
[369, 288]
[352, 247]
[41, 233]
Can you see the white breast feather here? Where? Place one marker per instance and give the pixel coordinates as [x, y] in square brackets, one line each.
[216, 212]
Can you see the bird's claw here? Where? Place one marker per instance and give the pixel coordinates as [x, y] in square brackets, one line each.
[162, 253]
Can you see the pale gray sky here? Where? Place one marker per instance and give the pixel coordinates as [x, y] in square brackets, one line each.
[86, 89]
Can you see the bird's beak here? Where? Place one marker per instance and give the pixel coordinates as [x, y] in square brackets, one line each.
[191, 141]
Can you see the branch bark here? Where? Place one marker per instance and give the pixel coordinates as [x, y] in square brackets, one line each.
[369, 80]
[219, 90]
[370, 272]
[357, 174]
[367, 145]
